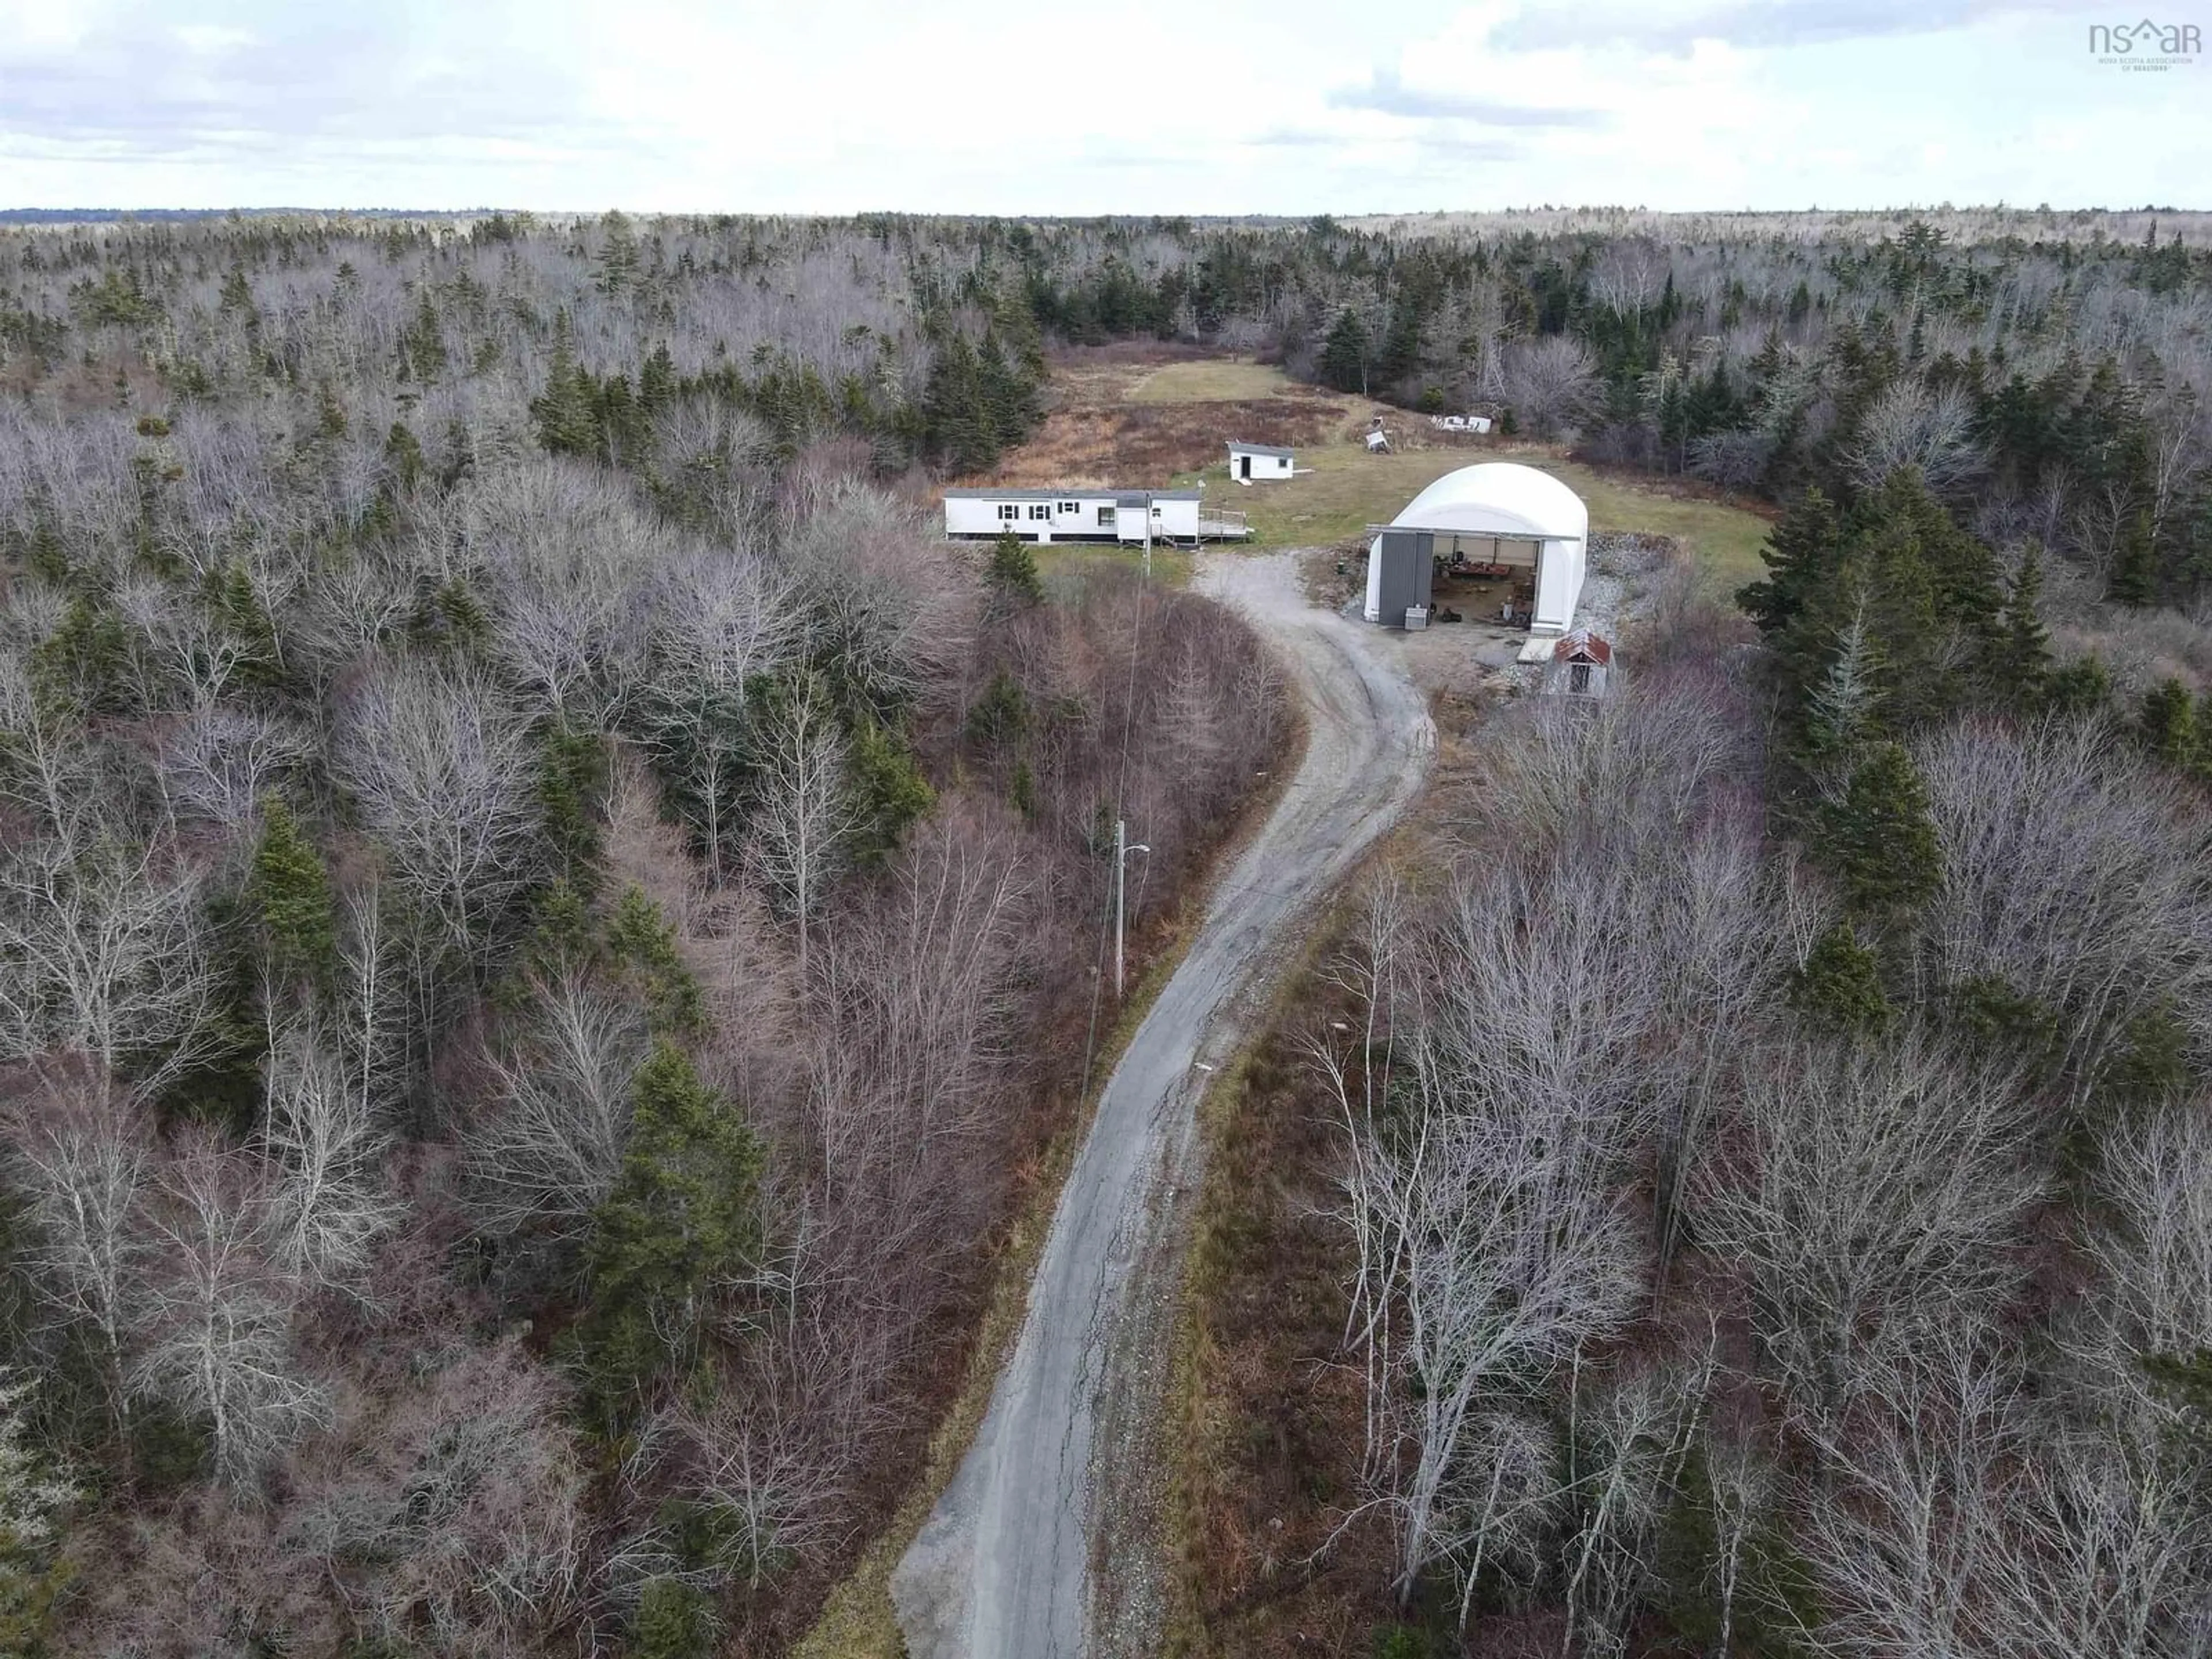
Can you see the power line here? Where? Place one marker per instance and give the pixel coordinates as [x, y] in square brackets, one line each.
[1108, 914]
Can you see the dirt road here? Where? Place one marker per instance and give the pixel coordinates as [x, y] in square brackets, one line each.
[1003, 1568]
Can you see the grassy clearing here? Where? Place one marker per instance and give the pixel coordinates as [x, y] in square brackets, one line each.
[1349, 490]
[1118, 424]
[1171, 566]
[1210, 382]
[1724, 540]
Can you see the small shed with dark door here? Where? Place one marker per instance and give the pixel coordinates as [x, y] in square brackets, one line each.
[1581, 664]
[1249, 462]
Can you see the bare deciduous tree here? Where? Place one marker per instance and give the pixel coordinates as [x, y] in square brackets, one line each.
[219, 1344]
[103, 952]
[722, 624]
[804, 812]
[328, 1202]
[1887, 1207]
[1734, 459]
[1550, 383]
[2074, 875]
[80, 1157]
[1629, 1452]
[1499, 1241]
[441, 766]
[547, 1149]
[1909, 425]
[570, 554]
[453, 1504]
[221, 760]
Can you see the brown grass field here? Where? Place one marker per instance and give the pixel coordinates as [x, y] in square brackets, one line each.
[1115, 418]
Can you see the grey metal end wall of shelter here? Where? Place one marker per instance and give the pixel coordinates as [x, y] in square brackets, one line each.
[1405, 574]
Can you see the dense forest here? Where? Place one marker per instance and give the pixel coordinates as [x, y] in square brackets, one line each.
[544, 913]
[1766, 1211]
[544, 916]
[1769, 1184]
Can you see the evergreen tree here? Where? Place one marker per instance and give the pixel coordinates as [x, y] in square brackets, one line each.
[1876, 838]
[451, 614]
[422, 343]
[959, 423]
[237, 607]
[2023, 666]
[402, 454]
[1343, 354]
[1986, 1010]
[1961, 568]
[617, 262]
[572, 780]
[79, 666]
[2150, 1061]
[237, 295]
[1402, 342]
[621, 422]
[563, 937]
[1014, 321]
[683, 1216]
[1800, 553]
[1843, 709]
[2168, 725]
[1920, 587]
[563, 413]
[1839, 987]
[1012, 576]
[2080, 688]
[673, 1622]
[2135, 566]
[1002, 713]
[889, 787]
[1009, 399]
[657, 382]
[288, 896]
[642, 946]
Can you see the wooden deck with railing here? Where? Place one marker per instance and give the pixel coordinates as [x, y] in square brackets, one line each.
[1221, 524]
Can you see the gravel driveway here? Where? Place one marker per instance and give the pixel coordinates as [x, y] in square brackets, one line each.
[1061, 1470]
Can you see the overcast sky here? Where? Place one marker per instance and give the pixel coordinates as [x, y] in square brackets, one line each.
[1288, 106]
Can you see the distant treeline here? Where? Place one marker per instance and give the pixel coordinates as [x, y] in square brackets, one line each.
[2046, 384]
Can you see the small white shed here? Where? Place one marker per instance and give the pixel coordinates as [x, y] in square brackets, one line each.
[1500, 513]
[1251, 461]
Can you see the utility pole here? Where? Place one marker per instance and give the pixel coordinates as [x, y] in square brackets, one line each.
[1148, 535]
[1121, 851]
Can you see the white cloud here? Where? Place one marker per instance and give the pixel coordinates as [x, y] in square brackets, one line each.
[1004, 106]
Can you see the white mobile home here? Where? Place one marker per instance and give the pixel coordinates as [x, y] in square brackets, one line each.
[1079, 515]
[1251, 461]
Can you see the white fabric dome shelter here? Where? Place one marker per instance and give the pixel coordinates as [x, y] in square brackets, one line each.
[1502, 514]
